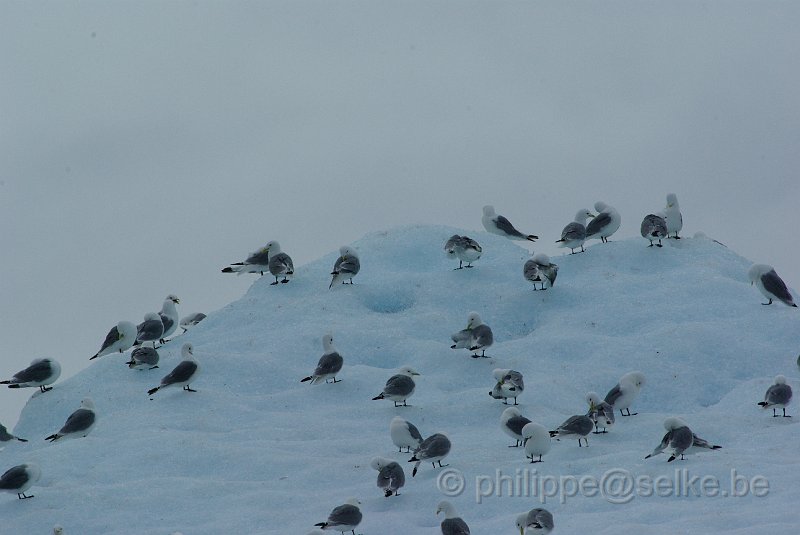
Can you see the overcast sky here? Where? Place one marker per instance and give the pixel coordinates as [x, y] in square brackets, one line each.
[145, 145]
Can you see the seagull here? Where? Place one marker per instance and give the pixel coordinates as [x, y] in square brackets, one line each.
[680, 440]
[540, 269]
[497, 224]
[344, 517]
[399, 387]
[673, 217]
[79, 424]
[404, 434]
[452, 523]
[578, 426]
[770, 284]
[390, 475]
[20, 478]
[280, 263]
[150, 330]
[464, 248]
[169, 316]
[536, 440]
[330, 363]
[346, 266]
[58, 530]
[183, 374]
[190, 320]
[143, 357]
[509, 385]
[625, 391]
[574, 234]
[511, 422]
[257, 262]
[120, 338]
[5, 436]
[604, 224]
[476, 336]
[535, 521]
[600, 412]
[433, 449]
[654, 228]
[41, 372]
[778, 396]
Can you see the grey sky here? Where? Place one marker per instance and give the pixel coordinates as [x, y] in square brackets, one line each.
[144, 145]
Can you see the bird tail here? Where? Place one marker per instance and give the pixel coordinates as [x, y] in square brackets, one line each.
[95, 356]
[562, 240]
[53, 438]
[153, 390]
[671, 458]
[553, 433]
[303, 380]
[5, 382]
[531, 237]
[322, 525]
[11, 386]
[763, 404]
[379, 396]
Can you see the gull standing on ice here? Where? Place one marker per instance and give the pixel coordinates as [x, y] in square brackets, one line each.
[79, 424]
[404, 434]
[169, 316]
[433, 449]
[58, 530]
[535, 521]
[464, 248]
[120, 338]
[672, 216]
[390, 475]
[476, 336]
[344, 517]
[330, 363]
[346, 266]
[143, 358]
[604, 224]
[680, 439]
[770, 284]
[20, 478]
[509, 385]
[654, 228]
[536, 440]
[578, 426]
[41, 372]
[280, 263]
[625, 391]
[497, 224]
[600, 412]
[190, 320]
[257, 262]
[183, 374]
[574, 234]
[5, 436]
[540, 269]
[399, 387]
[150, 330]
[452, 523]
[778, 396]
[511, 422]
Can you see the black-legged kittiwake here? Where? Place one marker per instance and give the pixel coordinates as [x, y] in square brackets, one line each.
[497, 224]
[399, 387]
[150, 330]
[770, 284]
[600, 412]
[183, 374]
[280, 263]
[680, 440]
[477, 336]
[511, 422]
[256, 262]
[535, 521]
[20, 478]
[41, 372]
[778, 396]
[190, 320]
[574, 234]
[144, 358]
[390, 475]
[536, 441]
[169, 316]
[604, 224]
[540, 269]
[346, 266]
[578, 426]
[343, 517]
[673, 217]
[625, 391]
[5, 436]
[452, 523]
[509, 384]
[463, 248]
[79, 424]
[330, 363]
[404, 434]
[433, 449]
[654, 228]
[120, 338]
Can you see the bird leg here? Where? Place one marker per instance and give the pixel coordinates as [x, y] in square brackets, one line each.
[769, 303]
[540, 459]
[441, 465]
[44, 388]
[22, 496]
[784, 413]
[189, 389]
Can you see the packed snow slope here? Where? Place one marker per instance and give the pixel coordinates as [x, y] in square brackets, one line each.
[255, 451]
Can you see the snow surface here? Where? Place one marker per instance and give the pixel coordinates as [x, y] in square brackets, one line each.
[256, 451]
